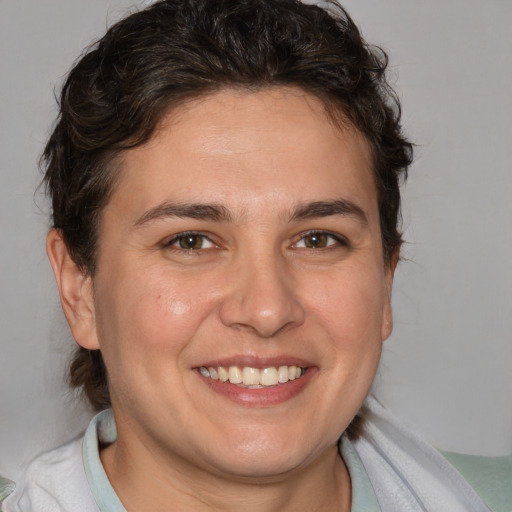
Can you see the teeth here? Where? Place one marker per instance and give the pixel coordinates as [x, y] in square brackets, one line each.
[235, 375]
[283, 374]
[250, 376]
[223, 374]
[253, 377]
[268, 376]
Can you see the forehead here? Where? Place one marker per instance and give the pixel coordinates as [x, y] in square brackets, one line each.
[248, 150]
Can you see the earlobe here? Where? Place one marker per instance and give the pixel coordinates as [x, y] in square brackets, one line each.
[75, 291]
[387, 317]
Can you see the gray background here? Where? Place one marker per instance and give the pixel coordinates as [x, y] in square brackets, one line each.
[448, 367]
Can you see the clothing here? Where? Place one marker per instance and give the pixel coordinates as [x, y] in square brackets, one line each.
[6, 488]
[391, 469]
[407, 474]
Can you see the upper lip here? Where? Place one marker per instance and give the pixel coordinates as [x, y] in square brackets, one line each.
[256, 361]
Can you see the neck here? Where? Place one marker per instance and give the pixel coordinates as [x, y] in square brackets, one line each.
[144, 480]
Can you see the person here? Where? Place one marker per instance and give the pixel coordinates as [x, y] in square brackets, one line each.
[225, 196]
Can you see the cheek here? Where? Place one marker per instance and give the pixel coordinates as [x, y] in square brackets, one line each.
[176, 307]
[144, 325]
[351, 302]
[146, 314]
[350, 312]
[151, 321]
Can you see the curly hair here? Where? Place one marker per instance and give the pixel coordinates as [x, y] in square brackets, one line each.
[176, 50]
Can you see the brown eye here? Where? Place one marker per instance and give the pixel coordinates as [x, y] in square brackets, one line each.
[191, 242]
[316, 240]
[320, 240]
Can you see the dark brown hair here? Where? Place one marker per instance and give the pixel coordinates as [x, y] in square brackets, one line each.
[175, 50]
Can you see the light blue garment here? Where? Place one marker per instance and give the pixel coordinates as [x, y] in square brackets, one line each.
[490, 477]
[102, 427]
[407, 474]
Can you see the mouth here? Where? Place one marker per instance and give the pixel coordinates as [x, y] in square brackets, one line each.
[257, 383]
[253, 378]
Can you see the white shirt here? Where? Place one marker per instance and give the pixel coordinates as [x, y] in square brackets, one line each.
[391, 469]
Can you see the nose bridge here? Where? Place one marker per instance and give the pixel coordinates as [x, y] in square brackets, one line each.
[262, 296]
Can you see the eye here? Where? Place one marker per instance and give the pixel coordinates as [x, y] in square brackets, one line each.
[319, 240]
[190, 242]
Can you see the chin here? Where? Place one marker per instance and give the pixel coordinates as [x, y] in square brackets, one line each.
[258, 467]
[258, 456]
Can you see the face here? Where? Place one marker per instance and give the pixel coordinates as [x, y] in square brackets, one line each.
[241, 296]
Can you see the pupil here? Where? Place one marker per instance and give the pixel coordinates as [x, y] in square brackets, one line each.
[190, 242]
[316, 240]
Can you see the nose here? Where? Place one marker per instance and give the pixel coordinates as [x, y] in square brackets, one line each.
[262, 298]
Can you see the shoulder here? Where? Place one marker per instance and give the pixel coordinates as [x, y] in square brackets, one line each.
[42, 487]
[491, 477]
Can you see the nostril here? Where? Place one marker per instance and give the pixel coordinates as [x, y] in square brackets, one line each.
[259, 298]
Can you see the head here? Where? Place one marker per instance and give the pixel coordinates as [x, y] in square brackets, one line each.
[161, 63]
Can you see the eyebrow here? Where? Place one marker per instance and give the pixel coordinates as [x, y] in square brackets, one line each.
[219, 213]
[327, 208]
[212, 212]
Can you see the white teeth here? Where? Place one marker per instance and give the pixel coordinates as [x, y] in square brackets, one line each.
[247, 376]
[235, 375]
[268, 376]
[250, 376]
[223, 373]
[282, 374]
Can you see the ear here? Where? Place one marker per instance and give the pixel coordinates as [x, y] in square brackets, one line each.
[75, 290]
[389, 273]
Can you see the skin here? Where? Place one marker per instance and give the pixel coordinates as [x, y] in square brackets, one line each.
[251, 291]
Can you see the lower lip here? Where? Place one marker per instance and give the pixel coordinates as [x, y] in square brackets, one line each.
[260, 397]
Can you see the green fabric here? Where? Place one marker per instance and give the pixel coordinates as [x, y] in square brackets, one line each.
[363, 497]
[491, 477]
[6, 488]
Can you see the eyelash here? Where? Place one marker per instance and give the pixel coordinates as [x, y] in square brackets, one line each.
[338, 239]
[173, 243]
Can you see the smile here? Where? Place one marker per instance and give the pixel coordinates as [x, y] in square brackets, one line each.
[253, 378]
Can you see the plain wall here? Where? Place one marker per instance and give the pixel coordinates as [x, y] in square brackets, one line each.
[447, 367]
